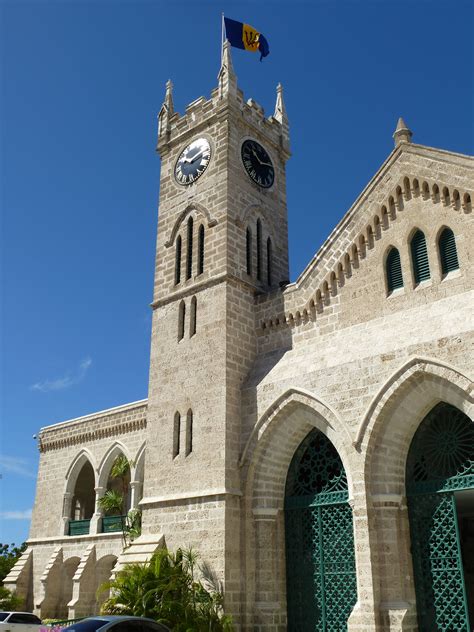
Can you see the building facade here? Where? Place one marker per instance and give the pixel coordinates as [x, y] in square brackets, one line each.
[313, 440]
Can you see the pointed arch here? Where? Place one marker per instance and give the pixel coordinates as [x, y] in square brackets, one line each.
[407, 375]
[200, 209]
[322, 416]
[76, 466]
[393, 270]
[138, 464]
[115, 450]
[419, 256]
[448, 253]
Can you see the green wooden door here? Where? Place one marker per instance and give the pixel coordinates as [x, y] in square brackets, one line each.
[321, 579]
[440, 461]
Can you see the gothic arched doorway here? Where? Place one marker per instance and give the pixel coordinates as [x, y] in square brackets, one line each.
[440, 493]
[320, 561]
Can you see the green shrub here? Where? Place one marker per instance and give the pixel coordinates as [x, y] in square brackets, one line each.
[9, 600]
[166, 589]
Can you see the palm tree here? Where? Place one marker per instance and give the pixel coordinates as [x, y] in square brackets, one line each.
[165, 589]
[114, 502]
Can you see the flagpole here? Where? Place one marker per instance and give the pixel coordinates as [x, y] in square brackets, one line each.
[222, 36]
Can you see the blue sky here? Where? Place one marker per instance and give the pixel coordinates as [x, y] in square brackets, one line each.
[81, 86]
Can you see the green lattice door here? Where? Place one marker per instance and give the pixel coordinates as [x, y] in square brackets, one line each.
[440, 462]
[321, 579]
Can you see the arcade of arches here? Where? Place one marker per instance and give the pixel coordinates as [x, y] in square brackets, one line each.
[320, 555]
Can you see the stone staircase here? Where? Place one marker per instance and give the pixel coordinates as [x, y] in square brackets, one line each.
[139, 551]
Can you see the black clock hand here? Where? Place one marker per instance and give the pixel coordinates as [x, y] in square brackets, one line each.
[256, 156]
[195, 157]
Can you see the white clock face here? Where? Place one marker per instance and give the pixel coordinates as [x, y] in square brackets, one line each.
[193, 161]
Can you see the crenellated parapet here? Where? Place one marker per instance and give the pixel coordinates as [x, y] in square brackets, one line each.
[202, 112]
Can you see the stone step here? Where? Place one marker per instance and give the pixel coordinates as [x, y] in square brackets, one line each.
[139, 552]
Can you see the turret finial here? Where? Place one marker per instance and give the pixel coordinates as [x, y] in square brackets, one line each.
[280, 109]
[402, 133]
[169, 96]
[166, 111]
[226, 77]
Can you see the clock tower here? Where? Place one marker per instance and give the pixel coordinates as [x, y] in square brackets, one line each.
[222, 242]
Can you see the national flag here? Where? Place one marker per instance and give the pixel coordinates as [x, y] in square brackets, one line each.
[246, 37]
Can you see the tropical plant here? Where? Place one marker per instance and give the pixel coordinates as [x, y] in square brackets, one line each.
[166, 589]
[114, 501]
[9, 600]
[9, 554]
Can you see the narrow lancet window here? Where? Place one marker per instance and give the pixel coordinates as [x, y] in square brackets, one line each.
[189, 432]
[447, 251]
[181, 320]
[189, 256]
[176, 434]
[177, 264]
[192, 317]
[259, 250]
[201, 249]
[419, 256]
[269, 262]
[249, 251]
[394, 271]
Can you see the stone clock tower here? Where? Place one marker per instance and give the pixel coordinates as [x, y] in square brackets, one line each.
[222, 241]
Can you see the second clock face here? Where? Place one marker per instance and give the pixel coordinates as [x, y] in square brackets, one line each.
[193, 161]
[257, 163]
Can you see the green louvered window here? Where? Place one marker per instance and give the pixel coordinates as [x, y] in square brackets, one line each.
[419, 256]
[447, 251]
[394, 270]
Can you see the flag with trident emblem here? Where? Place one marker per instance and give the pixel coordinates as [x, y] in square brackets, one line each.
[246, 37]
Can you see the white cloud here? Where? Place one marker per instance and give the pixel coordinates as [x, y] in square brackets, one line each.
[16, 515]
[16, 465]
[60, 383]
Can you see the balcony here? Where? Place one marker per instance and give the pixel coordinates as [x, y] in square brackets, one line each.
[79, 527]
[111, 524]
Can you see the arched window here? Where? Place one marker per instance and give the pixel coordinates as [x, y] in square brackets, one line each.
[177, 263]
[181, 320]
[447, 251]
[269, 261]
[189, 254]
[394, 270]
[419, 257]
[189, 432]
[259, 250]
[192, 317]
[249, 250]
[176, 434]
[201, 249]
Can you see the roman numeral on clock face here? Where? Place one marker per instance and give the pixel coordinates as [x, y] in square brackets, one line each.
[192, 161]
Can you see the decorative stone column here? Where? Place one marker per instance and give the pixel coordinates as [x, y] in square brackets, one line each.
[66, 517]
[397, 608]
[135, 491]
[96, 519]
[364, 616]
[269, 606]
